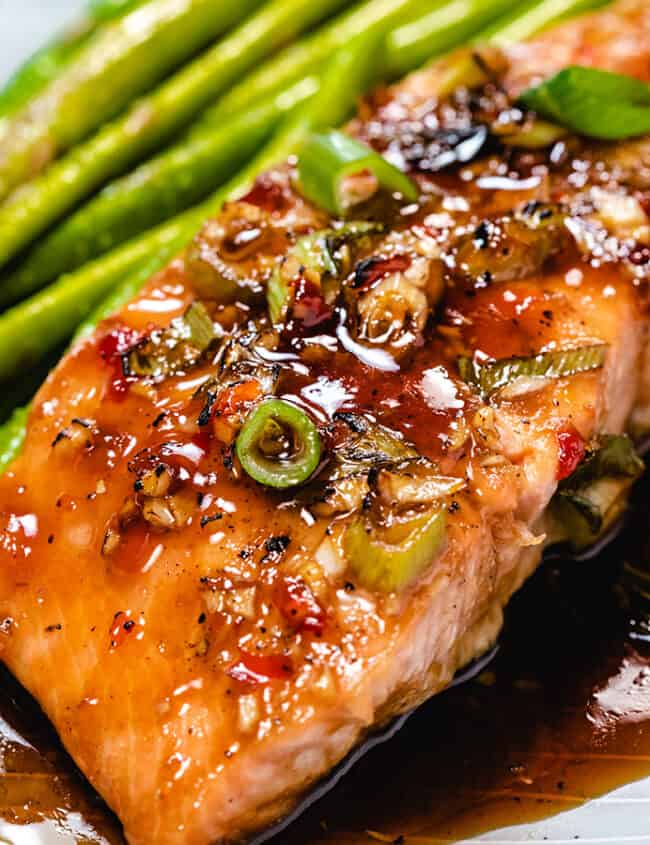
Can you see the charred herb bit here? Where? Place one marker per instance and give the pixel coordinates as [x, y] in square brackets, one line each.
[556, 363]
[279, 446]
[346, 484]
[514, 246]
[594, 496]
[376, 447]
[354, 422]
[277, 545]
[174, 349]
[206, 520]
[372, 269]
[206, 411]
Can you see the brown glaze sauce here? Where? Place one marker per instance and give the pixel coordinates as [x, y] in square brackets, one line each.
[560, 717]
[527, 739]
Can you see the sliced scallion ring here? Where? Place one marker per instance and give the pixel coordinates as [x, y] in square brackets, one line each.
[556, 363]
[596, 103]
[279, 446]
[329, 160]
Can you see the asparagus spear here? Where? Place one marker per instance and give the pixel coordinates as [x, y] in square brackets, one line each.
[130, 258]
[154, 192]
[187, 172]
[48, 62]
[119, 62]
[37, 325]
[133, 203]
[12, 437]
[103, 11]
[152, 120]
[535, 16]
[439, 31]
[310, 54]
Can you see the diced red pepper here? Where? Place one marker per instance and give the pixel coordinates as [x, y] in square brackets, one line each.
[112, 347]
[571, 451]
[260, 668]
[203, 440]
[266, 194]
[134, 550]
[309, 307]
[298, 605]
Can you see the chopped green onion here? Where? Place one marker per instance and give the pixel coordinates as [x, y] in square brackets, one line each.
[279, 446]
[597, 103]
[535, 136]
[200, 328]
[557, 363]
[327, 164]
[389, 558]
[594, 496]
[278, 296]
[321, 252]
[173, 349]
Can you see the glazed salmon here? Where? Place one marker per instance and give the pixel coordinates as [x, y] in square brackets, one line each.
[209, 645]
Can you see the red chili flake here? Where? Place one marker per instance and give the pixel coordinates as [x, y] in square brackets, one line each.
[370, 271]
[121, 627]
[134, 550]
[117, 342]
[259, 668]
[309, 307]
[571, 452]
[112, 347]
[202, 439]
[298, 605]
[266, 194]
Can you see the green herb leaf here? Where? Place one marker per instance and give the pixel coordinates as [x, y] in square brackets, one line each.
[596, 103]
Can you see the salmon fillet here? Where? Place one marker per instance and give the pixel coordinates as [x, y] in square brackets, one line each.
[201, 642]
